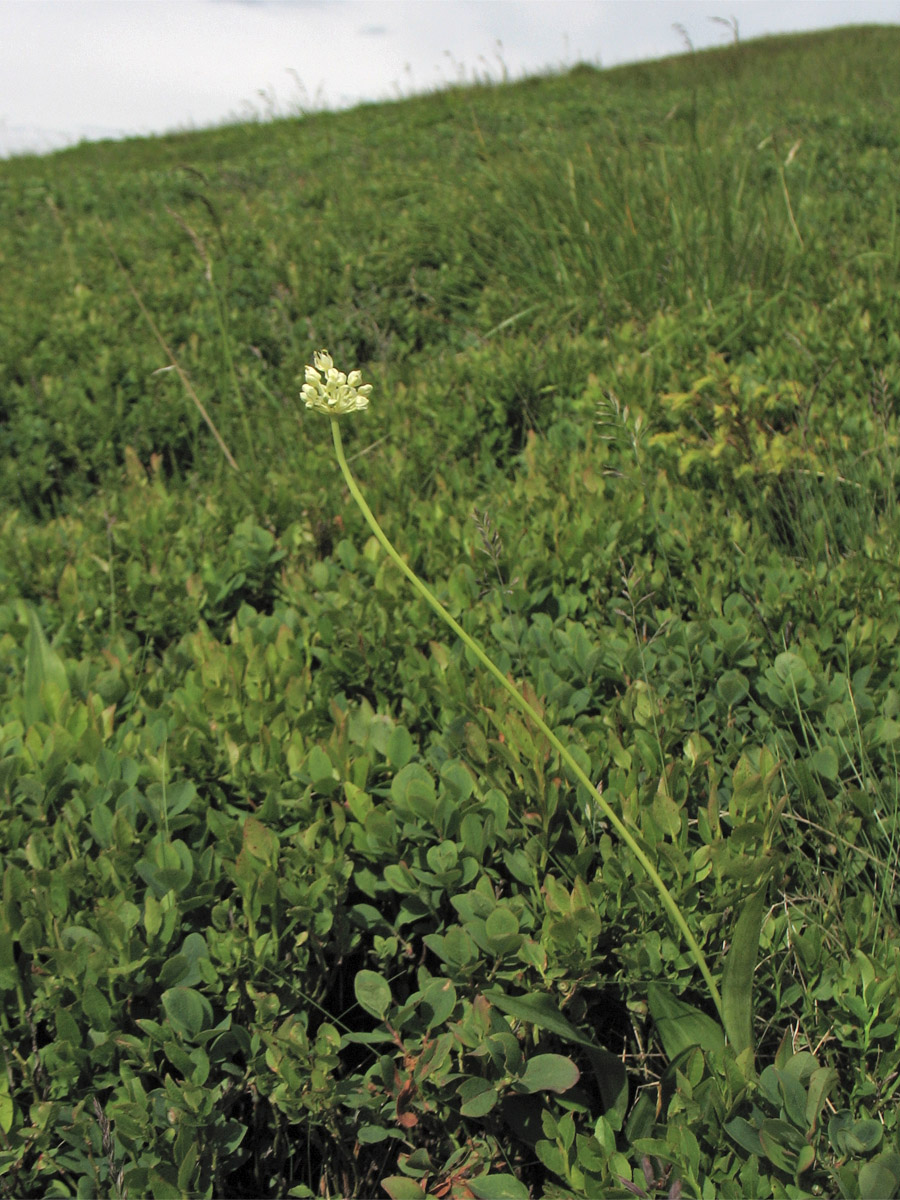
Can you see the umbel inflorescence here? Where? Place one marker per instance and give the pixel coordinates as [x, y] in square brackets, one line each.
[337, 393]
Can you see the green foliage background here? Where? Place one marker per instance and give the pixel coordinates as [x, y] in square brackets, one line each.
[292, 904]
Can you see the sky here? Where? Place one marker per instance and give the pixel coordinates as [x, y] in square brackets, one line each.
[74, 69]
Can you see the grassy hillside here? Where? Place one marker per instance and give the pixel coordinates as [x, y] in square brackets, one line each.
[295, 902]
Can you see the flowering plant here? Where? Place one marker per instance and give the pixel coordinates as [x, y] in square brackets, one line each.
[337, 393]
[342, 393]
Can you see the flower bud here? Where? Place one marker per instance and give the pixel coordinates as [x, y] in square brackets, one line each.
[337, 393]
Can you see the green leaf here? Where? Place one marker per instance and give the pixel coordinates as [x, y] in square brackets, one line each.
[502, 930]
[880, 1176]
[825, 763]
[188, 1010]
[805, 1159]
[260, 842]
[443, 858]
[737, 973]
[745, 1134]
[456, 778]
[548, 1073]
[477, 1097]
[438, 1002]
[413, 788]
[552, 1157]
[781, 1143]
[179, 796]
[857, 1137]
[96, 1007]
[679, 1025]
[7, 1109]
[160, 1186]
[538, 1010]
[732, 688]
[792, 1097]
[67, 1027]
[43, 667]
[369, 1135]
[497, 1187]
[372, 993]
[186, 1167]
[399, 1187]
[400, 747]
[820, 1083]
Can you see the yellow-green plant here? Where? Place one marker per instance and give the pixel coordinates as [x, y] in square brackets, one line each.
[335, 393]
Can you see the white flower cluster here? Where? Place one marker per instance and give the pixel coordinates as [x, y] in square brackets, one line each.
[337, 393]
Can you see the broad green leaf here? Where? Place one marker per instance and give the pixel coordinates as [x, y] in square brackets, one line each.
[179, 796]
[732, 688]
[820, 1083]
[679, 1025]
[538, 1010]
[7, 1108]
[781, 1143]
[372, 993]
[321, 770]
[805, 1159]
[745, 1134]
[187, 1165]
[825, 763]
[261, 842]
[96, 1007]
[792, 1096]
[882, 731]
[438, 1002]
[502, 930]
[850, 1136]
[497, 1187]
[456, 778]
[413, 788]
[640, 1121]
[370, 1135]
[152, 915]
[188, 1010]
[160, 1187]
[477, 1097]
[400, 747]
[548, 1073]
[443, 857]
[67, 1027]
[881, 1176]
[552, 1157]
[737, 973]
[178, 970]
[401, 1187]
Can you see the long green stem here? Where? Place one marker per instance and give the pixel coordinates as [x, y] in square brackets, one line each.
[522, 704]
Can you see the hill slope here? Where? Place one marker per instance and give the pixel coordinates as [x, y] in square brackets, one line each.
[292, 903]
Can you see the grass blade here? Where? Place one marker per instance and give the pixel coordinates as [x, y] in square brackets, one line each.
[737, 975]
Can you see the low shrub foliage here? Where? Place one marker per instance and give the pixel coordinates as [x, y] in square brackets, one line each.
[295, 901]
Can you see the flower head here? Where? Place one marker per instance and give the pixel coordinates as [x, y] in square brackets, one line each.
[331, 391]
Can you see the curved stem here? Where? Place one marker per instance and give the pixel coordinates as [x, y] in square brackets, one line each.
[522, 704]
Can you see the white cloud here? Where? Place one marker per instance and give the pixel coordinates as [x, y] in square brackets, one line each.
[71, 68]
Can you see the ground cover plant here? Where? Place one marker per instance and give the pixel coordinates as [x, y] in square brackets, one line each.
[296, 899]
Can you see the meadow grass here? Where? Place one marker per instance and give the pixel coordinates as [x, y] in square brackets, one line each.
[297, 900]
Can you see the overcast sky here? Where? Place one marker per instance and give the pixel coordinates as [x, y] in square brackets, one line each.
[72, 69]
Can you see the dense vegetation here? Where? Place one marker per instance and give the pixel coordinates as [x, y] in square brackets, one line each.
[293, 903]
